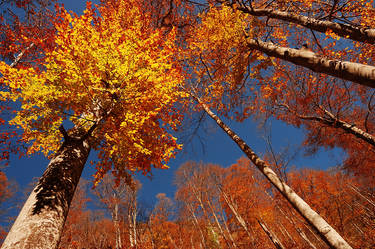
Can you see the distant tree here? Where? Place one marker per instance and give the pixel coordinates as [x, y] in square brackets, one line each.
[120, 199]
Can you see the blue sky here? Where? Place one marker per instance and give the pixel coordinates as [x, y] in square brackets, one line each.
[218, 149]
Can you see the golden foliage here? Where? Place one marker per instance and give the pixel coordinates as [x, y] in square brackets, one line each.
[115, 70]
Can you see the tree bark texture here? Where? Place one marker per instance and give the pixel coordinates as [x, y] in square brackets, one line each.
[346, 70]
[41, 220]
[327, 232]
[351, 32]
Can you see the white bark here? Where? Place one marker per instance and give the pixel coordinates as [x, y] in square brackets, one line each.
[271, 235]
[115, 218]
[40, 222]
[355, 72]
[355, 33]
[331, 120]
[132, 220]
[329, 234]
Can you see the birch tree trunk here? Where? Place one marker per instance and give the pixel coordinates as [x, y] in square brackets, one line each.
[327, 232]
[41, 220]
[132, 221]
[115, 218]
[236, 214]
[203, 240]
[331, 120]
[271, 235]
[355, 72]
[361, 34]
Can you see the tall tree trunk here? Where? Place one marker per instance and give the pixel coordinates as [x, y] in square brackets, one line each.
[203, 240]
[355, 72]
[115, 218]
[236, 214]
[220, 227]
[303, 235]
[41, 220]
[333, 121]
[327, 232]
[271, 235]
[355, 33]
[197, 197]
[132, 220]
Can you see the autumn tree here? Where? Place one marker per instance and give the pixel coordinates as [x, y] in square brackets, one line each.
[327, 232]
[25, 32]
[333, 113]
[231, 72]
[75, 232]
[331, 193]
[199, 195]
[113, 78]
[120, 199]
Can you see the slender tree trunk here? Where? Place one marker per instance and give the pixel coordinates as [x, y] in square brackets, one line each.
[361, 34]
[196, 194]
[327, 232]
[271, 235]
[132, 221]
[335, 122]
[117, 225]
[236, 214]
[355, 72]
[299, 231]
[303, 235]
[355, 189]
[203, 240]
[286, 233]
[220, 227]
[41, 220]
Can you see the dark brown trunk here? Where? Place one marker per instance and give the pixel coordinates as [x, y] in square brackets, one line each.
[41, 220]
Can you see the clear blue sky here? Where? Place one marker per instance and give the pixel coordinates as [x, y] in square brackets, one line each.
[218, 149]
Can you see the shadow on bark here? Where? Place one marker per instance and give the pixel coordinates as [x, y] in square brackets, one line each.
[56, 187]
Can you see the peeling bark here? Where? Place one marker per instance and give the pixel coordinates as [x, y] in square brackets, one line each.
[354, 33]
[329, 235]
[355, 72]
[41, 220]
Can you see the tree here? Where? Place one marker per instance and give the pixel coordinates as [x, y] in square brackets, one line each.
[226, 58]
[199, 195]
[121, 201]
[25, 34]
[114, 77]
[327, 232]
[76, 228]
[242, 75]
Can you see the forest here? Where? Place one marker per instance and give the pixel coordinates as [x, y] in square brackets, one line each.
[134, 82]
